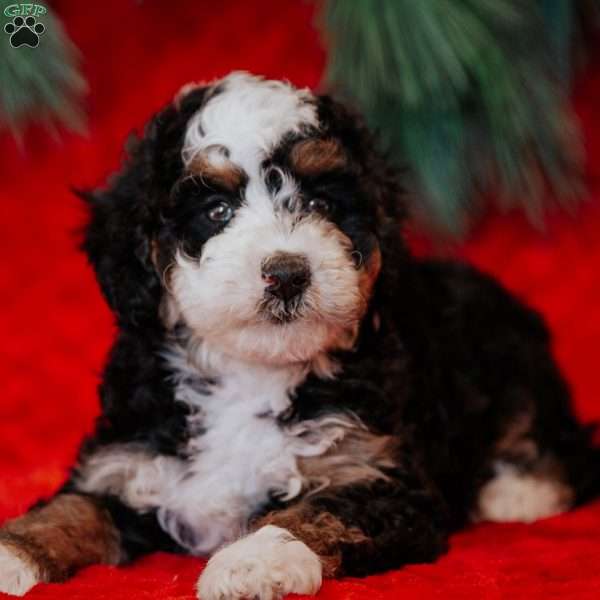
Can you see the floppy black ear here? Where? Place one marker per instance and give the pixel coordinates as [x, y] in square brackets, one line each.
[125, 217]
[381, 180]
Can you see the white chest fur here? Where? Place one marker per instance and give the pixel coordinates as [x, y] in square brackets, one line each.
[240, 456]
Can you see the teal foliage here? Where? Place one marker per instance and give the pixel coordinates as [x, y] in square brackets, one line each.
[40, 84]
[472, 95]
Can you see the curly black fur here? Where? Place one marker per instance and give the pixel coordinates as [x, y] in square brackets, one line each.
[446, 359]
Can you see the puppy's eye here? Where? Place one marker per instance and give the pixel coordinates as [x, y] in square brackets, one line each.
[220, 211]
[319, 205]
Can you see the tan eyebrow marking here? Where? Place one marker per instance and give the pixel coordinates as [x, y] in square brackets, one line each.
[217, 169]
[316, 156]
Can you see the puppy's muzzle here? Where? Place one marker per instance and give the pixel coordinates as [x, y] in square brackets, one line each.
[286, 276]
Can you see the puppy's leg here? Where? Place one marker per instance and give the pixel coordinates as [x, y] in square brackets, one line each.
[535, 459]
[354, 530]
[52, 541]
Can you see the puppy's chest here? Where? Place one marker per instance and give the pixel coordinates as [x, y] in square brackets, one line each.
[236, 442]
[239, 454]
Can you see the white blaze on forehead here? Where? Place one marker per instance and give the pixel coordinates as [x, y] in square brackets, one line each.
[219, 294]
[248, 118]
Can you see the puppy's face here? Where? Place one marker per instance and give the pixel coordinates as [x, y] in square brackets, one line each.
[276, 251]
[264, 236]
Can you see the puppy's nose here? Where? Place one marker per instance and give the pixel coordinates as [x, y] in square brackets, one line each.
[286, 275]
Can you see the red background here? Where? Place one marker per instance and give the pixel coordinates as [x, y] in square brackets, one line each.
[56, 329]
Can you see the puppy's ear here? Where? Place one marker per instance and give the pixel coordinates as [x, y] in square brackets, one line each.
[381, 180]
[125, 217]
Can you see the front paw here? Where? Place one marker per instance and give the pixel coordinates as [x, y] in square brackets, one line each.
[265, 565]
[17, 572]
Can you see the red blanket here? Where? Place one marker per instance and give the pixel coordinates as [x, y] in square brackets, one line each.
[56, 329]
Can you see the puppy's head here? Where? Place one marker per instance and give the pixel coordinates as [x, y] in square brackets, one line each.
[250, 213]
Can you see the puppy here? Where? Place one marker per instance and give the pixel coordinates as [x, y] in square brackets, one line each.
[290, 392]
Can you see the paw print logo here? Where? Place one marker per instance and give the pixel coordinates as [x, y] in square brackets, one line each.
[24, 32]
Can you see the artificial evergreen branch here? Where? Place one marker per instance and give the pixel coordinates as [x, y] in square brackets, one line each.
[43, 83]
[471, 94]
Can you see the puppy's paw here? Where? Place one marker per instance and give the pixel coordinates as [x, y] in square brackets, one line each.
[265, 565]
[17, 574]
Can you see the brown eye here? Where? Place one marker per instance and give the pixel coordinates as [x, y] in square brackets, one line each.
[220, 212]
[319, 205]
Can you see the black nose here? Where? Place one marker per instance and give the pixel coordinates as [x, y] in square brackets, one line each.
[286, 275]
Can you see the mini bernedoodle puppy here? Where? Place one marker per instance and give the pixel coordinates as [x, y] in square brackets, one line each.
[290, 392]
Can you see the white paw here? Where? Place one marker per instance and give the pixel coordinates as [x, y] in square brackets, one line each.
[17, 577]
[265, 565]
[518, 497]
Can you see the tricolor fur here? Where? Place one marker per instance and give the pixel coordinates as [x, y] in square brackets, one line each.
[290, 391]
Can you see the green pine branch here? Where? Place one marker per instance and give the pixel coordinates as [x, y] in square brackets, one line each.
[472, 94]
[43, 83]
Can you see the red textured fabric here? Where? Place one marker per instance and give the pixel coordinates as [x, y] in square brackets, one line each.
[56, 329]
